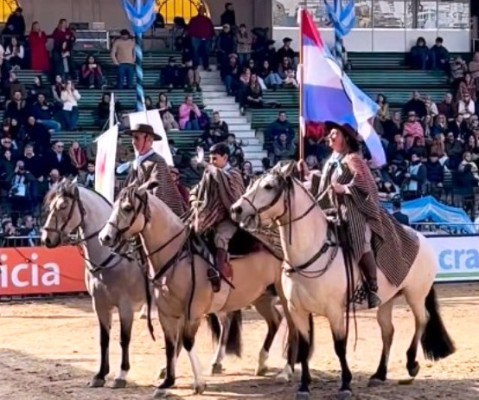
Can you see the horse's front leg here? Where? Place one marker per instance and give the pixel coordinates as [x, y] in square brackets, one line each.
[224, 321]
[126, 324]
[103, 311]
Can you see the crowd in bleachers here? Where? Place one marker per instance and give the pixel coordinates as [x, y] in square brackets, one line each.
[432, 147]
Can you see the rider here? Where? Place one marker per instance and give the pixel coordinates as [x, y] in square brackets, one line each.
[370, 227]
[149, 167]
[215, 213]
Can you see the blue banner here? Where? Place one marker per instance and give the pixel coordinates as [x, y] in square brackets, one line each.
[141, 15]
[342, 18]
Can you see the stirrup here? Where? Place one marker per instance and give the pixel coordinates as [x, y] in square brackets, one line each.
[373, 299]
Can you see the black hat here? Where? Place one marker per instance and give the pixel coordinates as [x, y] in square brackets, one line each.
[287, 39]
[344, 128]
[143, 128]
[124, 32]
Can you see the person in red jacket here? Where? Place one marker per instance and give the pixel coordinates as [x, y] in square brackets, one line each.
[201, 31]
[37, 40]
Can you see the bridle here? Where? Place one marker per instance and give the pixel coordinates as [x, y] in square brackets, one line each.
[286, 189]
[143, 207]
[76, 202]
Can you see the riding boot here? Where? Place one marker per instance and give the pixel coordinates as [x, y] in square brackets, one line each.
[369, 269]
[215, 274]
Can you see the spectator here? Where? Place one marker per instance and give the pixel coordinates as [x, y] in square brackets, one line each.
[165, 108]
[419, 148]
[35, 166]
[228, 16]
[103, 110]
[91, 73]
[235, 147]
[447, 107]
[467, 86]
[15, 25]
[270, 78]
[290, 79]
[15, 54]
[6, 170]
[230, 75]
[416, 105]
[244, 41]
[43, 113]
[397, 153]
[77, 157]
[439, 56]
[440, 126]
[175, 175]
[458, 126]
[419, 54]
[19, 194]
[189, 113]
[400, 216]
[283, 149]
[254, 94]
[281, 125]
[178, 32]
[466, 106]
[286, 52]
[88, 179]
[201, 31]
[58, 160]
[247, 173]
[472, 170]
[123, 56]
[193, 173]
[149, 103]
[35, 90]
[57, 89]
[412, 129]
[28, 232]
[415, 178]
[458, 69]
[434, 171]
[16, 109]
[454, 150]
[13, 85]
[431, 108]
[53, 179]
[190, 77]
[170, 75]
[38, 135]
[284, 66]
[63, 40]
[70, 97]
[37, 41]
[383, 112]
[474, 67]
[225, 45]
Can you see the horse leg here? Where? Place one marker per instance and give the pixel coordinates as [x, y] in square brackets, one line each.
[104, 315]
[265, 307]
[189, 334]
[384, 318]
[162, 374]
[224, 321]
[170, 331]
[305, 349]
[420, 319]
[338, 330]
[126, 323]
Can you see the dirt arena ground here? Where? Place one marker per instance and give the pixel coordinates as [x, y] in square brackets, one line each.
[48, 350]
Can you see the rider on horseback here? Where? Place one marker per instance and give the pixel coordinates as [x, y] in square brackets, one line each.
[347, 174]
[211, 199]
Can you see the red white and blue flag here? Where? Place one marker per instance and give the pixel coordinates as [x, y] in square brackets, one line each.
[327, 93]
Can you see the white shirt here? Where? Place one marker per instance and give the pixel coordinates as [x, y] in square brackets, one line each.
[70, 99]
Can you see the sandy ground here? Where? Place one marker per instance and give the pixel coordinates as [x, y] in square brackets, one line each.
[48, 350]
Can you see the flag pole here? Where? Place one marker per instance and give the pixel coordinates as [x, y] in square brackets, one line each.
[302, 127]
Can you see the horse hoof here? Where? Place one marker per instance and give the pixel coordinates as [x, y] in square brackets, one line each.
[345, 395]
[119, 384]
[261, 371]
[283, 377]
[216, 369]
[162, 374]
[199, 388]
[161, 394]
[414, 370]
[302, 395]
[375, 382]
[96, 383]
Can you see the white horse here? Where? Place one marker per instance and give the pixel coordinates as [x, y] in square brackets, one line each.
[315, 279]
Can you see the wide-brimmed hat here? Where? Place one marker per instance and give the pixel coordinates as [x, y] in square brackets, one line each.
[344, 128]
[143, 128]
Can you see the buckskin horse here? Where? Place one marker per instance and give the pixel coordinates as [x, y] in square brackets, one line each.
[315, 279]
[178, 266]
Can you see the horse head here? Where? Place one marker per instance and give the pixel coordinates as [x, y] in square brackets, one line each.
[265, 201]
[65, 213]
[130, 214]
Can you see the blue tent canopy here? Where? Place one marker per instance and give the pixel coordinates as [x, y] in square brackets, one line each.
[428, 209]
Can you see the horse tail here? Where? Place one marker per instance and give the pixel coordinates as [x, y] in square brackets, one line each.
[214, 326]
[436, 342]
[234, 343]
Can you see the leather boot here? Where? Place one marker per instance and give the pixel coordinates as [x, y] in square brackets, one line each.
[369, 269]
[214, 275]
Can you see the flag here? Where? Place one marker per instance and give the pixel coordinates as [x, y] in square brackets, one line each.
[105, 163]
[112, 110]
[328, 94]
[342, 18]
[141, 15]
[153, 118]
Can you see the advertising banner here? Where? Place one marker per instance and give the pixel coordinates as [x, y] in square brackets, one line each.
[38, 270]
[457, 257]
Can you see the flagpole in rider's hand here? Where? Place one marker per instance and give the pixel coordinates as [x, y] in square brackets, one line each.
[302, 127]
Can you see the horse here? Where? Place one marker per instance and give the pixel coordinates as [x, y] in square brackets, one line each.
[316, 281]
[179, 270]
[112, 280]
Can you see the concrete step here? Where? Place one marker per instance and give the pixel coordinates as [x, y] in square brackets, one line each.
[210, 100]
[216, 95]
[210, 80]
[213, 88]
[227, 113]
[239, 120]
[241, 128]
[230, 108]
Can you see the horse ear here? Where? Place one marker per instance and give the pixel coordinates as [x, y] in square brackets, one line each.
[288, 169]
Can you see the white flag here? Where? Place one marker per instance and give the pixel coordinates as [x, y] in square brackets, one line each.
[112, 109]
[105, 163]
[153, 118]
